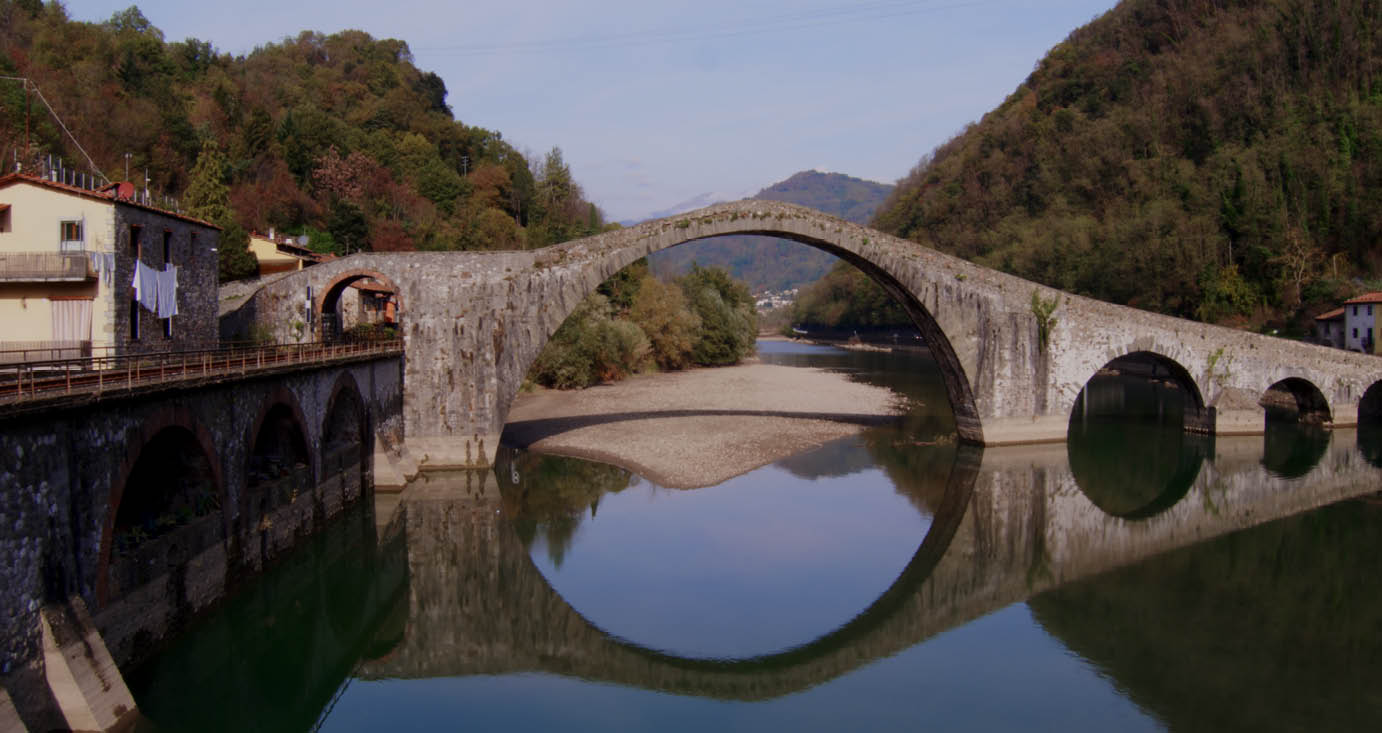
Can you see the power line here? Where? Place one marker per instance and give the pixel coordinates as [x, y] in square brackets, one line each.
[29, 84]
[786, 22]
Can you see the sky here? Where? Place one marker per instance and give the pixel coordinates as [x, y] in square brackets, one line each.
[657, 103]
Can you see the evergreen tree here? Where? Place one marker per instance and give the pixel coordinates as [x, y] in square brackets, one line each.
[208, 198]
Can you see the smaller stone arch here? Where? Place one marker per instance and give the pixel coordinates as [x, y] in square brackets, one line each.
[1296, 399]
[327, 301]
[1370, 424]
[158, 451]
[1137, 435]
[1156, 369]
[346, 434]
[1370, 406]
[280, 463]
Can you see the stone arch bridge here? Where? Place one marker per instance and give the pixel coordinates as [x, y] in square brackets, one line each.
[474, 322]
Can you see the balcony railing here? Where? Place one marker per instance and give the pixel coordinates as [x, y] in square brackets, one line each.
[18, 352]
[35, 381]
[45, 266]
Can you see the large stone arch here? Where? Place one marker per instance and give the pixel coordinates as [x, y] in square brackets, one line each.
[172, 418]
[957, 382]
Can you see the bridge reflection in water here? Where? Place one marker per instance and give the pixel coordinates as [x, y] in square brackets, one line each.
[452, 592]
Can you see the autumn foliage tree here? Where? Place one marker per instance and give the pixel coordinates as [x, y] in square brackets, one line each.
[338, 133]
[1204, 159]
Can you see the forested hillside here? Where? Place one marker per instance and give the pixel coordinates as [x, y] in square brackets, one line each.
[767, 263]
[337, 136]
[1219, 159]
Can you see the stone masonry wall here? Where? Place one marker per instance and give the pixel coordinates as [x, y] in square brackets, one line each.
[196, 260]
[60, 471]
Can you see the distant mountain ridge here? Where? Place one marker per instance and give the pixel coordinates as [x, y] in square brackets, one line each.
[768, 263]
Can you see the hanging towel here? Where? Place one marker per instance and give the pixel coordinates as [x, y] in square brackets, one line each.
[104, 263]
[146, 286]
[168, 292]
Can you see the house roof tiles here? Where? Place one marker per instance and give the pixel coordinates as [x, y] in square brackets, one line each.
[105, 195]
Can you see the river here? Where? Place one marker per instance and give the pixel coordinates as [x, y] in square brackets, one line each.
[1138, 578]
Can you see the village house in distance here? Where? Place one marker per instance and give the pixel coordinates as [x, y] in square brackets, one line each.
[98, 271]
[1351, 326]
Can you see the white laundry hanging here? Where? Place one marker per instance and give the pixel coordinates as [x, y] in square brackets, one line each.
[146, 286]
[168, 292]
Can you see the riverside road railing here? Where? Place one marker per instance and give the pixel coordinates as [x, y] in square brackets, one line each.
[38, 380]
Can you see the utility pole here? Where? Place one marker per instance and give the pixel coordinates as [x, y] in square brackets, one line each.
[26, 119]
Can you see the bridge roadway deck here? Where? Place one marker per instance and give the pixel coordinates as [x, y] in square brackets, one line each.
[474, 322]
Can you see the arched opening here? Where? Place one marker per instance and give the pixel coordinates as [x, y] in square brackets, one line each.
[1296, 430]
[561, 503]
[358, 305]
[1296, 400]
[1370, 424]
[345, 440]
[280, 467]
[1135, 442]
[168, 511]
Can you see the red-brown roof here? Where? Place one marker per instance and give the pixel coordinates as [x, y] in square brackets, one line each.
[108, 195]
[1331, 315]
[1365, 298]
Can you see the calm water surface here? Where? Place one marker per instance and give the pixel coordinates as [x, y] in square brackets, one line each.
[1134, 578]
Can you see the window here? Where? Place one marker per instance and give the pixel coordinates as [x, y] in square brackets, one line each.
[134, 319]
[1355, 312]
[1369, 310]
[4, 217]
[167, 247]
[167, 328]
[70, 236]
[134, 240]
[1355, 333]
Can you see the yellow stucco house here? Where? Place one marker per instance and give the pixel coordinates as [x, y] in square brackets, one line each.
[275, 256]
[68, 261]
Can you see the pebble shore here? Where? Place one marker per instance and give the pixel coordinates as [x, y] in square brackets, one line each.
[699, 427]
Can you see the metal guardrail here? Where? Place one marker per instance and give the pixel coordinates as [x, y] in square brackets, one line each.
[39, 380]
[13, 352]
[20, 266]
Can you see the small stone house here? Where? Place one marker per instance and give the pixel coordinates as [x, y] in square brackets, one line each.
[1329, 328]
[68, 263]
[1360, 323]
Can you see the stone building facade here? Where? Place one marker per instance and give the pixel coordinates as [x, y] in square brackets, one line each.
[68, 258]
